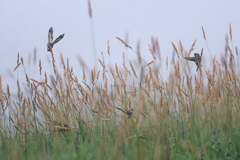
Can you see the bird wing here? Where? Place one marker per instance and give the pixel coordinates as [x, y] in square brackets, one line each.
[58, 39]
[120, 109]
[190, 58]
[50, 35]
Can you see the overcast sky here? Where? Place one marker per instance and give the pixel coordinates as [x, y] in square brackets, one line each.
[25, 25]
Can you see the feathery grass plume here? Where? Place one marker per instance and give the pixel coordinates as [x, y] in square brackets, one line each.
[116, 68]
[178, 71]
[89, 9]
[34, 55]
[22, 61]
[173, 57]
[104, 69]
[29, 58]
[138, 52]
[114, 77]
[219, 71]
[196, 84]
[134, 72]
[68, 65]
[101, 62]
[153, 44]
[230, 51]
[175, 68]
[141, 76]
[175, 48]
[150, 49]
[148, 63]
[125, 43]
[167, 62]
[18, 58]
[214, 65]
[181, 47]
[203, 33]
[84, 76]
[158, 49]
[92, 77]
[192, 48]
[106, 86]
[233, 74]
[87, 87]
[82, 63]
[61, 57]
[16, 66]
[19, 90]
[231, 61]
[8, 91]
[230, 31]
[127, 71]
[98, 74]
[226, 47]
[94, 74]
[108, 50]
[40, 67]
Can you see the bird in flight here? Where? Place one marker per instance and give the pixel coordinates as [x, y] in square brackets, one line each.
[197, 59]
[128, 112]
[50, 40]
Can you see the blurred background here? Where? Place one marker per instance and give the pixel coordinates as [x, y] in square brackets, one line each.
[25, 24]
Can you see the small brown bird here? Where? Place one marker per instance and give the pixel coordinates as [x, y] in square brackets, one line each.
[61, 126]
[50, 39]
[128, 112]
[197, 59]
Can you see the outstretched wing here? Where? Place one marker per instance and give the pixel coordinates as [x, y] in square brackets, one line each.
[50, 35]
[190, 58]
[120, 109]
[58, 39]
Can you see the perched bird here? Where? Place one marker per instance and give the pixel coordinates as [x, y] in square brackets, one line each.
[128, 112]
[197, 59]
[62, 127]
[50, 39]
[59, 124]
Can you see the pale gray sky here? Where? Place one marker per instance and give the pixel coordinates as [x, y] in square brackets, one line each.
[25, 24]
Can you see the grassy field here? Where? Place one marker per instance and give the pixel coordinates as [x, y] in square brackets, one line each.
[126, 113]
